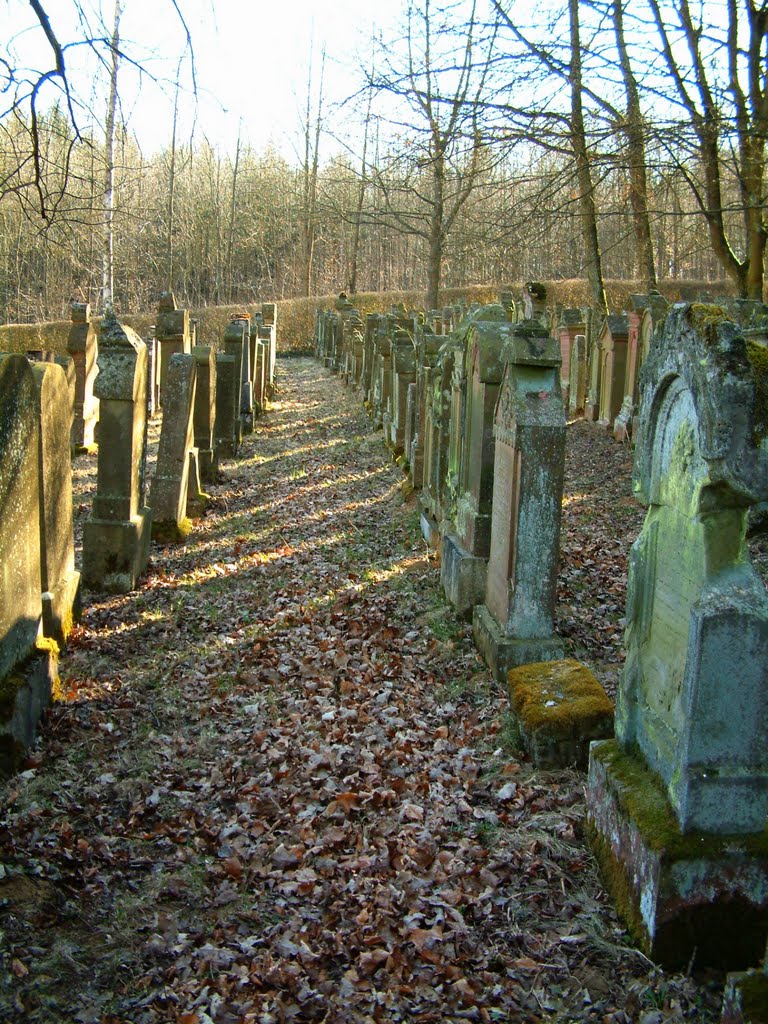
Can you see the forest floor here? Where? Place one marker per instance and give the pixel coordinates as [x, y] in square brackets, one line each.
[281, 785]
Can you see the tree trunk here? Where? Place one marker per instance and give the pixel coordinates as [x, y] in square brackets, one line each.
[108, 275]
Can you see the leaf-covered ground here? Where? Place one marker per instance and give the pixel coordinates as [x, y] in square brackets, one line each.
[282, 785]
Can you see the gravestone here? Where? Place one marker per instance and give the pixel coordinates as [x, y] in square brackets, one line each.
[612, 345]
[515, 624]
[226, 428]
[205, 412]
[577, 386]
[172, 336]
[677, 803]
[382, 394]
[28, 666]
[83, 348]
[67, 364]
[427, 349]
[60, 583]
[116, 538]
[269, 315]
[235, 343]
[403, 374]
[436, 439]
[572, 325]
[467, 537]
[260, 378]
[246, 378]
[176, 452]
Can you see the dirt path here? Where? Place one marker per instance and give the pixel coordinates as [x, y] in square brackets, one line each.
[280, 787]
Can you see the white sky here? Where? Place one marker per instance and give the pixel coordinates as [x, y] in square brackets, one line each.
[252, 60]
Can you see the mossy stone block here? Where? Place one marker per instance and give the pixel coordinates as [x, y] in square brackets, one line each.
[560, 708]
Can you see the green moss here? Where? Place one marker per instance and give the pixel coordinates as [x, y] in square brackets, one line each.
[559, 696]
[9, 687]
[643, 799]
[706, 319]
[758, 358]
[619, 885]
[171, 532]
[86, 449]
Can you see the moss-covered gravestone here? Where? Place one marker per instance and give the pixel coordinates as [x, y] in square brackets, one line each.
[60, 583]
[83, 348]
[116, 538]
[27, 668]
[515, 624]
[677, 803]
[467, 538]
[403, 374]
[170, 484]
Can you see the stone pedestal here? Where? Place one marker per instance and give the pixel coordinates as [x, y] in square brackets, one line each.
[692, 707]
[60, 583]
[170, 483]
[82, 347]
[116, 539]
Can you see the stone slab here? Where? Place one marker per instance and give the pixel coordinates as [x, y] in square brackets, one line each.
[115, 553]
[462, 575]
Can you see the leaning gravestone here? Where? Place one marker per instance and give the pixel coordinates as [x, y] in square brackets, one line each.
[515, 625]
[27, 669]
[116, 539]
[60, 582]
[677, 803]
[170, 484]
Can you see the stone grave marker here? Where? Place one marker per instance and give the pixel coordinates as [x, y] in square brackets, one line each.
[170, 484]
[577, 386]
[226, 429]
[515, 624]
[205, 412]
[116, 538]
[677, 804]
[172, 335]
[60, 583]
[83, 348]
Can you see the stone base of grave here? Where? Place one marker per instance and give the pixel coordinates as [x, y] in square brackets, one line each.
[559, 708]
[62, 608]
[502, 652]
[622, 425]
[462, 575]
[429, 529]
[116, 554]
[171, 531]
[745, 998]
[24, 694]
[694, 900]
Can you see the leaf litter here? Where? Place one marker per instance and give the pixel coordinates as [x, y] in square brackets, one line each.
[282, 785]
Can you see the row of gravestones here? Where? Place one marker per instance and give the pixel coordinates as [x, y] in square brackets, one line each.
[677, 800]
[208, 403]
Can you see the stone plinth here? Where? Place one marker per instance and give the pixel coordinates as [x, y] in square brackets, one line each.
[83, 348]
[172, 334]
[60, 583]
[693, 898]
[226, 431]
[205, 412]
[467, 539]
[116, 538]
[692, 706]
[559, 708]
[168, 499]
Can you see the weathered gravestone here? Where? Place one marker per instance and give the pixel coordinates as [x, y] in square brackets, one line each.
[677, 803]
[177, 465]
[60, 582]
[205, 412]
[612, 346]
[27, 672]
[246, 378]
[83, 348]
[403, 374]
[226, 428]
[572, 324]
[172, 333]
[235, 343]
[577, 385]
[116, 539]
[269, 315]
[515, 625]
[467, 538]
